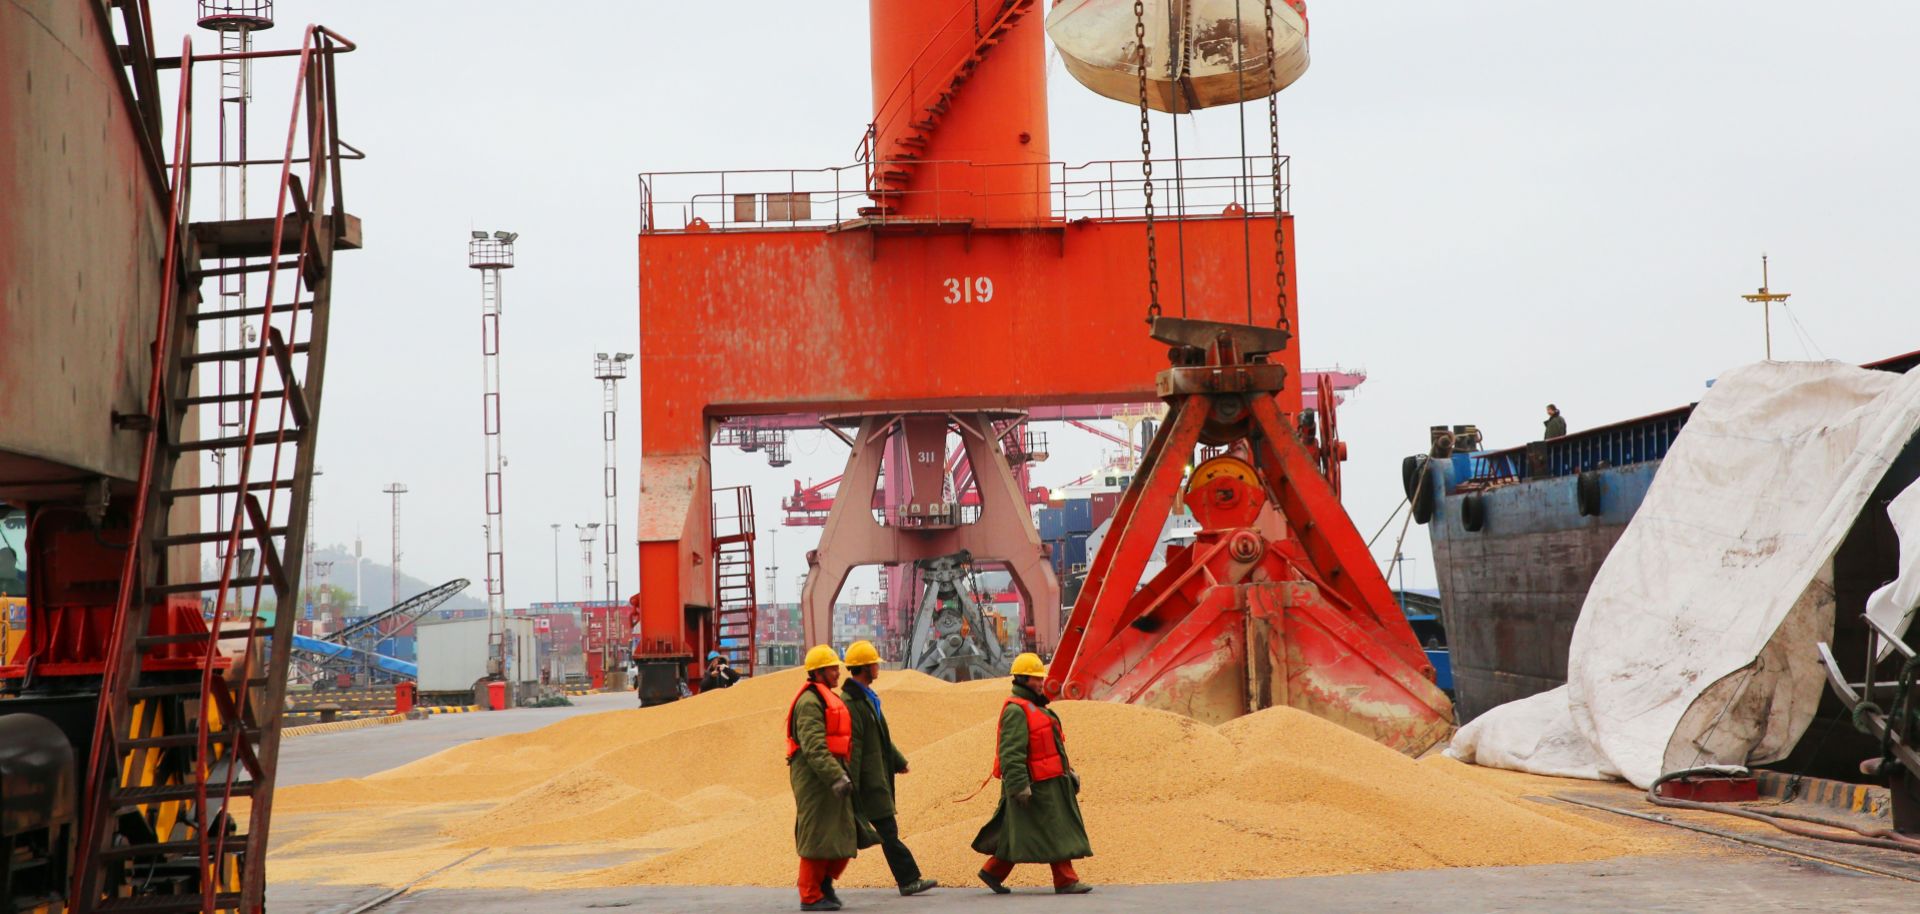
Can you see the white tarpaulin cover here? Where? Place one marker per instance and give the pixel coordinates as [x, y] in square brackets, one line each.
[1695, 645]
[1893, 605]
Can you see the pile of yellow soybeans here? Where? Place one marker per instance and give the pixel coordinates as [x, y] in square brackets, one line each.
[696, 793]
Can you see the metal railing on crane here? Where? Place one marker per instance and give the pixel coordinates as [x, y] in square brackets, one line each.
[1103, 189]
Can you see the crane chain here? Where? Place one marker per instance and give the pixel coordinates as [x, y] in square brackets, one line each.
[1186, 41]
[1146, 160]
[1273, 151]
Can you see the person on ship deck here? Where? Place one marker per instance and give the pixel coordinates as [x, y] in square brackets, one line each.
[1556, 424]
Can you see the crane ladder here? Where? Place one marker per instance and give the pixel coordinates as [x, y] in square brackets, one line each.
[174, 750]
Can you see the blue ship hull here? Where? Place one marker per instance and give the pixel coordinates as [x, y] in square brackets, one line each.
[1511, 590]
[1518, 536]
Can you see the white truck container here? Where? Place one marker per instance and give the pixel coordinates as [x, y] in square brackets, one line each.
[453, 655]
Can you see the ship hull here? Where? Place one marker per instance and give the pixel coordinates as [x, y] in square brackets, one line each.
[1511, 591]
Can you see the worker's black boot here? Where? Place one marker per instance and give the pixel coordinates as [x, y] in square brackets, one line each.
[826, 888]
[1075, 888]
[998, 887]
[918, 885]
[824, 904]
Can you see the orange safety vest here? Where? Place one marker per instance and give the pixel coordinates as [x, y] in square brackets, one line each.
[1043, 743]
[839, 723]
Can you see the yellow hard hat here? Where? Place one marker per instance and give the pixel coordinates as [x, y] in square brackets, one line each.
[1029, 665]
[861, 653]
[821, 655]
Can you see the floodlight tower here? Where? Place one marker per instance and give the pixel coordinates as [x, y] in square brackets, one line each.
[491, 254]
[610, 369]
[396, 490]
[587, 536]
[308, 558]
[235, 21]
[322, 569]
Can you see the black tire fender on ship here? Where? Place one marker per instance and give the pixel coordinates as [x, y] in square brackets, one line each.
[1473, 512]
[1417, 479]
[1586, 493]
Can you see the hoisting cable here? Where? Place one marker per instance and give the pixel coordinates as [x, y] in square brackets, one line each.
[1418, 488]
[1245, 194]
[1179, 211]
[1383, 524]
[1179, 168]
[1146, 159]
[1273, 145]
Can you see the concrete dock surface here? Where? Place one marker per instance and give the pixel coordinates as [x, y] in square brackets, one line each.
[1750, 883]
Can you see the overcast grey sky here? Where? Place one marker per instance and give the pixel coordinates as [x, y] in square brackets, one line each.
[1499, 204]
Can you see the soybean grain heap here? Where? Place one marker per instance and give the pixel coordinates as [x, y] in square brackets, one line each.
[695, 793]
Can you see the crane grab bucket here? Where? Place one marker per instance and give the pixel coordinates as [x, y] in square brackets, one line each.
[1200, 53]
[1276, 602]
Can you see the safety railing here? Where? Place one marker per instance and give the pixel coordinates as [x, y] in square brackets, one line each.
[1620, 444]
[930, 70]
[937, 516]
[960, 191]
[732, 513]
[100, 758]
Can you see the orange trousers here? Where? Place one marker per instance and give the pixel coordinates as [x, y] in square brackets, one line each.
[814, 872]
[1063, 874]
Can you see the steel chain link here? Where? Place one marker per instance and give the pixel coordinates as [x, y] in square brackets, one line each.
[1273, 149]
[1186, 39]
[1146, 160]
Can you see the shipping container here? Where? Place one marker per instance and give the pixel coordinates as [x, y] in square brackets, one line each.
[1053, 524]
[1103, 505]
[1076, 551]
[1079, 515]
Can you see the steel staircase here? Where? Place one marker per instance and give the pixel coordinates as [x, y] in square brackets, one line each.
[736, 608]
[189, 710]
[890, 171]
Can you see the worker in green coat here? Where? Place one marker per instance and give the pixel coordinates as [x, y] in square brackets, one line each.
[875, 762]
[819, 748]
[1556, 424]
[1038, 819]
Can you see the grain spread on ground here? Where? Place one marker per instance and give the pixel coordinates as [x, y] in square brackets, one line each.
[696, 793]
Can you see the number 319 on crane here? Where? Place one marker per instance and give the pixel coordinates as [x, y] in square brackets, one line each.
[968, 289]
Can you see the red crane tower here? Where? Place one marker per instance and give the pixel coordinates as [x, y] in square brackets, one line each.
[845, 290]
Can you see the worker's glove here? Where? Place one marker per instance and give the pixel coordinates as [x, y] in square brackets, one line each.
[901, 770]
[1024, 797]
[842, 787]
[1074, 776]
